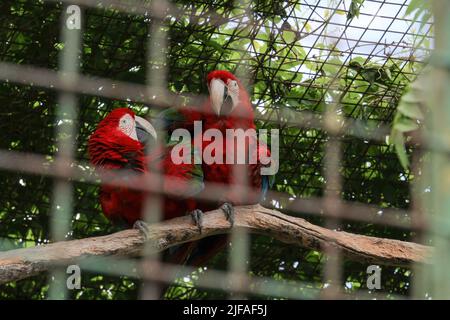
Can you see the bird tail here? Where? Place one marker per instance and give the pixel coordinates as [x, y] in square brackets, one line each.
[195, 254]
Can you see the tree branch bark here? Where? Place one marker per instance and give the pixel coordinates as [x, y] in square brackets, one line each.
[22, 263]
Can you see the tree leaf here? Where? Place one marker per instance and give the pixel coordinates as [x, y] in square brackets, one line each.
[288, 36]
[353, 11]
[410, 109]
[404, 124]
[399, 144]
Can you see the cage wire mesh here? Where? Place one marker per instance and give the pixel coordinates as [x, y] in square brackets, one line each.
[328, 74]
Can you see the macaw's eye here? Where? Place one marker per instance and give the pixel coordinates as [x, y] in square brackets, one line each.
[126, 120]
[232, 84]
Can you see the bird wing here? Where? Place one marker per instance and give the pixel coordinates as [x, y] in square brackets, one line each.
[175, 118]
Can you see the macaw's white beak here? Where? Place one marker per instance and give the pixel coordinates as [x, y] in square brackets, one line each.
[144, 129]
[217, 93]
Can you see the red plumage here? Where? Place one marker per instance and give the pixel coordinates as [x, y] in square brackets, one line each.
[111, 148]
[241, 117]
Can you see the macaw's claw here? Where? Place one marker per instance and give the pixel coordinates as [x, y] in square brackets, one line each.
[143, 227]
[197, 217]
[228, 209]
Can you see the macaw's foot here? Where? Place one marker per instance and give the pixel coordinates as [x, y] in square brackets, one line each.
[143, 227]
[197, 217]
[228, 209]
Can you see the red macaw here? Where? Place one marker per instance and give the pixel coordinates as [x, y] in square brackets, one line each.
[228, 107]
[118, 143]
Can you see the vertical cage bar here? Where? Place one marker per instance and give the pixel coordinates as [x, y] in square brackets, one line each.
[65, 133]
[332, 198]
[157, 80]
[436, 275]
[240, 239]
[418, 221]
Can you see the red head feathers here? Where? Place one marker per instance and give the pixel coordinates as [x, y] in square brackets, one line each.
[119, 138]
[222, 75]
[228, 99]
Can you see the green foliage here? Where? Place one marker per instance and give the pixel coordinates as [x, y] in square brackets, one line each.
[409, 116]
[421, 12]
[354, 9]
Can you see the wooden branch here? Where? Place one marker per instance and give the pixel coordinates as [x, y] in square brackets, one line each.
[22, 263]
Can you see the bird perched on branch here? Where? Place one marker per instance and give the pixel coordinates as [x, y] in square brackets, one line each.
[118, 143]
[227, 128]
[227, 114]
